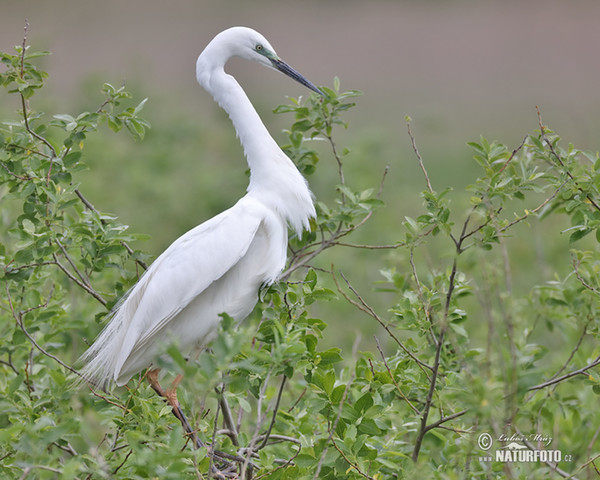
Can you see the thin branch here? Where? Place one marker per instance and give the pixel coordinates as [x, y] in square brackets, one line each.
[91, 208]
[274, 416]
[12, 174]
[535, 210]
[228, 417]
[592, 441]
[514, 152]
[574, 351]
[391, 246]
[353, 465]
[283, 465]
[82, 277]
[123, 462]
[307, 256]
[576, 264]
[363, 306]
[440, 342]
[28, 470]
[416, 150]
[426, 309]
[88, 289]
[415, 409]
[24, 102]
[553, 466]
[19, 319]
[561, 163]
[259, 421]
[574, 373]
[337, 419]
[445, 419]
[211, 467]
[9, 364]
[66, 448]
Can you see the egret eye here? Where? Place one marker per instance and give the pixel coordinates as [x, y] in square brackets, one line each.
[259, 47]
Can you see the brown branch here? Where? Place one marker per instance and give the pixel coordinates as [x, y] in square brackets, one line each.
[283, 465]
[12, 174]
[123, 462]
[275, 409]
[440, 341]
[365, 307]
[576, 264]
[552, 465]
[338, 416]
[514, 152]
[416, 150]
[574, 351]
[445, 419]
[88, 289]
[227, 417]
[371, 247]
[353, 465]
[535, 210]
[561, 163]
[24, 102]
[91, 208]
[415, 409]
[579, 371]
[18, 316]
[84, 279]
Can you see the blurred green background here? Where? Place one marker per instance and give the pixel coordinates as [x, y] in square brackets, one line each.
[460, 69]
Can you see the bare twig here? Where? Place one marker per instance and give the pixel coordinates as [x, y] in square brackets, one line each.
[391, 246]
[574, 351]
[579, 371]
[18, 316]
[552, 465]
[84, 279]
[228, 417]
[514, 152]
[352, 464]
[87, 288]
[337, 418]
[91, 208]
[424, 428]
[561, 163]
[123, 462]
[24, 102]
[365, 307]
[416, 150]
[274, 416]
[259, 421]
[415, 409]
[445, 419]
[576, 264]
[535, 210]
[592, 441]
[28, 470]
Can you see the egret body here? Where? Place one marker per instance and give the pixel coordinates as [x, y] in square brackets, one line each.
[219, 266]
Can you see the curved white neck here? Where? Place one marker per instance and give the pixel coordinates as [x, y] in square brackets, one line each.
[256, 141]
[274, 179]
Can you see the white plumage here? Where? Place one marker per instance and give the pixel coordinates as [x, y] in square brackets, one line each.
[218, 266]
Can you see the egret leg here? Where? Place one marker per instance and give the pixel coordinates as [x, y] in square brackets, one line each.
[170, 396]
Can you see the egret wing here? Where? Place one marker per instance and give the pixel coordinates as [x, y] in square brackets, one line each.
[187, 268]
[182, 272]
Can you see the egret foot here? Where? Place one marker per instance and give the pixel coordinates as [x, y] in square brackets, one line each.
[170, 396]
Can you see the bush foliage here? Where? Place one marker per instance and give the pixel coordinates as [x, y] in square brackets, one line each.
[459, 353]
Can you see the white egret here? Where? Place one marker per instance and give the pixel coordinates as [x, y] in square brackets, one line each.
[219, 266]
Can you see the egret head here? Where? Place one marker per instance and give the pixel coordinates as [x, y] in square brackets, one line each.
[249, 44]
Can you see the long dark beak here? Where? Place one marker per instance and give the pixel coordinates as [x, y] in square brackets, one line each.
[290, 72]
